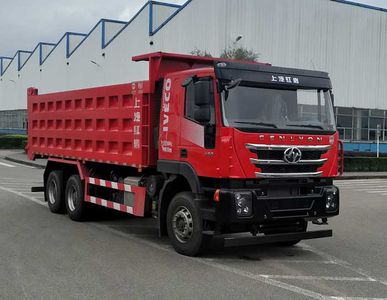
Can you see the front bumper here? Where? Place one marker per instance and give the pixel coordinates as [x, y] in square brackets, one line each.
[272, 204]
[233, 241]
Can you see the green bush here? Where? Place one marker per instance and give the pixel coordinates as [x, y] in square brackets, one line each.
[365, 164]
[13, 141]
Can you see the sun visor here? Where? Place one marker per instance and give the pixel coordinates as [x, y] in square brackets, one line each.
[272, 77]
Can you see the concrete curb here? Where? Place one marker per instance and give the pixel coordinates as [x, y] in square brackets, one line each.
[23, 162]
[351, 177]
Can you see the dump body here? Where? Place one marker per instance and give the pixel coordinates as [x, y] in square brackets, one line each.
[112, 124]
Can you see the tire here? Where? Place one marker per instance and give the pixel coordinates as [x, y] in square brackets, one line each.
[74, 199]
[182, 212]
[54, 192]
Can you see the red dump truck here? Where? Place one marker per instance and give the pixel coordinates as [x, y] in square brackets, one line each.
[209, 147]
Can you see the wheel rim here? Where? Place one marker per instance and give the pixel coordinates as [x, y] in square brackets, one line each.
[52, 192]
[182, 224]
[72, 198]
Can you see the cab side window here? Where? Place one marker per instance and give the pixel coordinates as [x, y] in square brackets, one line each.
[190, 101]
[199, 101]
[200, 107]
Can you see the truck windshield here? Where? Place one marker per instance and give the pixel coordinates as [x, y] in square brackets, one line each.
[294, 110]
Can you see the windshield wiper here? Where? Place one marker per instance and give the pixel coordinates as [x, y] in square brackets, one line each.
[258, 124]
[306, 125]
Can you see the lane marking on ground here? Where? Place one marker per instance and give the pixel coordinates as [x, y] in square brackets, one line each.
[25, 166]
[324, 262]
[364, 183]
[381, 184]
[347, 181]
[6, 165]
[326, 256]
[344, 264]
[210, 262]
[328, 278]
[285, 261]
[256, 277]
[35, 200]
[372, 189]
[24, 184]
[355, 298]
[361, 184]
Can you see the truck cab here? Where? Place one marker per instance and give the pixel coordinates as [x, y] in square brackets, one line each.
[258, 145]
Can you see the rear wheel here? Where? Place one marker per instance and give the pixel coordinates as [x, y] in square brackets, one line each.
[185, 225]
[74, 199]
[54, 192]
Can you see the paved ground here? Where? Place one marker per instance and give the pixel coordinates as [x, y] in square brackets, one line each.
[47, 256]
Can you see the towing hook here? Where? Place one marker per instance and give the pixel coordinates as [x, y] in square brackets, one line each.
[322, 221]
[254, 230]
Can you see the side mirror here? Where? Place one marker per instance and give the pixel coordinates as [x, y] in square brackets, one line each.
[186, 82]
[203, 93]
[202, 115]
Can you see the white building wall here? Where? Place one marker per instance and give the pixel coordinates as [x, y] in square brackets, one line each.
[348, 42]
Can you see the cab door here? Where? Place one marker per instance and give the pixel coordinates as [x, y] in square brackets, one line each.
[198, 125]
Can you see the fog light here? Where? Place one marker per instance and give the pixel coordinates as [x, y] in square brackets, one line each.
[243, 204]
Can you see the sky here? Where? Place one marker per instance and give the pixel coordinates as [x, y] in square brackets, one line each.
[24, 23]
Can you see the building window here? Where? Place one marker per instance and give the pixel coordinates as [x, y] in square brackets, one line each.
[361, 125]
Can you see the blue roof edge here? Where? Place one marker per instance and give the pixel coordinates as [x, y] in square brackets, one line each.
[19, 64]
[361, 5]
[127, 24]
[17, 54]
[68, 34]
[153, 32]
[104, 43]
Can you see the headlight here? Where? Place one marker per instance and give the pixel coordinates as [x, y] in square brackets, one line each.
[243, 204]
[240, 202]
[331, 200]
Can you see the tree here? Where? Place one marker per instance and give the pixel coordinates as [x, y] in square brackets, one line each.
[240, 53]
[198, 52]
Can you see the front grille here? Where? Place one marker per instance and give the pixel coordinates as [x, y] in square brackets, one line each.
[279, 154]
[290, 204]
[271, 160]
[288, 168]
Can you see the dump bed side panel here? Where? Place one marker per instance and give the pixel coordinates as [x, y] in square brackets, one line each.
[112, 124]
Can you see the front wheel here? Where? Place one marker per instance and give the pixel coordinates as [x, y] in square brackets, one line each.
[185, 225]
[74, 199]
